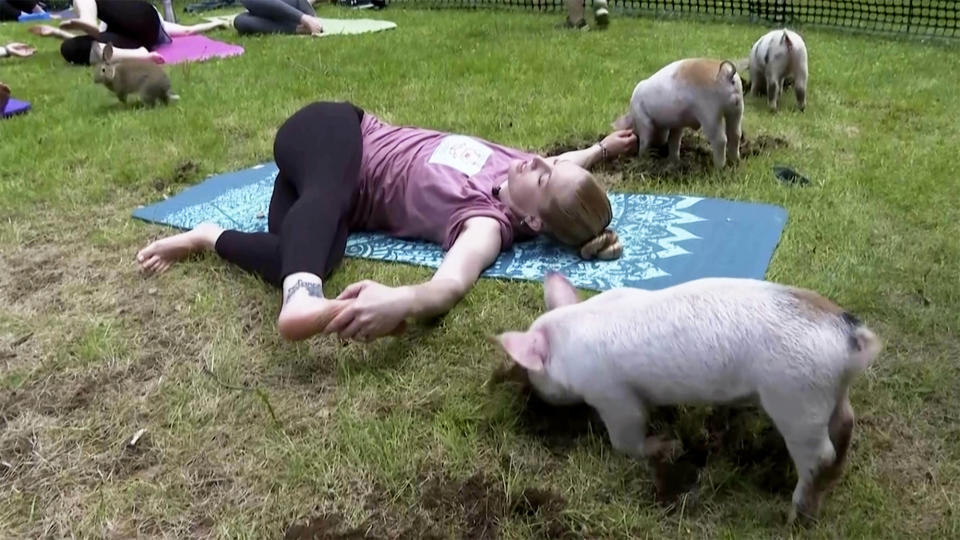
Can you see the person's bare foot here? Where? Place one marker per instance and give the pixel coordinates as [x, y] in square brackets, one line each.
[42, 30]
[305, 315]
[310, 25]
[161, 254]
[156, 58]
[4, 97]
[87, 27]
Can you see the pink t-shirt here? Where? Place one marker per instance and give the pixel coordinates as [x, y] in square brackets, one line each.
[424, 184]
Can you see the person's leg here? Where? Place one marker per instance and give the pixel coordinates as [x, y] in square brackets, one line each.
[176, 30]
[326, 184]
[45, 30]
[258, 253]
[86, 20]
[247, 24]
[8, 12]
[575, 17]
[135, 20]
[303, 6]
[86, 50]
[139, 53]
[313, 198]
[76, 50]
[160, 255]
[285, 13]
[24, 6]
[601, 13]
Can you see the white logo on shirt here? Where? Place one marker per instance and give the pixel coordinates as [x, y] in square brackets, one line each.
[462, 153]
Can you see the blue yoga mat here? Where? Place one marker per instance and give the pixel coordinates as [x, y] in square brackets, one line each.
[666, 239]
[45, 15]
[15, 106]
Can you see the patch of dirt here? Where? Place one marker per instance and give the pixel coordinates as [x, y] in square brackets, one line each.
[534, 500]
[324, 527]
[133, 459]
[477, 501]
[480, 504]
[331, 526]
[182, 174]
[39, 268]
[477, 504]
[696, 159]
[59, 400]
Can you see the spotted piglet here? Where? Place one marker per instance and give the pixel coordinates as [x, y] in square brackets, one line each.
[692, 93]
[713, 340]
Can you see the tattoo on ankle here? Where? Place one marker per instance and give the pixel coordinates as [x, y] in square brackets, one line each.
[313, 289]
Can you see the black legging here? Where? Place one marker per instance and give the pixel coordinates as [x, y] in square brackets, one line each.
[272, 16]
[10, 10]
[131, 24]
[318, 152]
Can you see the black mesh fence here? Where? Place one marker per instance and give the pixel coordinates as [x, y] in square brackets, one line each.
[933, 18]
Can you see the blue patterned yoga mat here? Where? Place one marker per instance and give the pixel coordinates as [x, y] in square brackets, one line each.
[666, 239]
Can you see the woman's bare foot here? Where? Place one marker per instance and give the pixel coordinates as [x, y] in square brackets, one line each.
[156, 58]
[309, 25]
[304, 316]
[44, 30]
[305, 311]
[160, 255]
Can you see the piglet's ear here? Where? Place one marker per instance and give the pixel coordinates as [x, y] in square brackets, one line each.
[529, 349]
[558, 291]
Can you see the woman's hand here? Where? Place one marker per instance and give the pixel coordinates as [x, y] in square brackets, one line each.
[620, 141]
[375, 311]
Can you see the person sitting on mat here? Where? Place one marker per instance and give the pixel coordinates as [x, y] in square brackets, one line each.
[21, 50]
[278, 17]
[10, 10]
[343, 170]
[133, 27]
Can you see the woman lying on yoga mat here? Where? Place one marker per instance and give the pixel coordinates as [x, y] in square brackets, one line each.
[278, 17]
[134, 27]
[21, 50]
[343, 170]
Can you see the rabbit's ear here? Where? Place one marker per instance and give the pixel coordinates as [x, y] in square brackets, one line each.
[107, 52]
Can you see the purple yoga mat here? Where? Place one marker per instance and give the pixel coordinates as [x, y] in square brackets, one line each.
[196, 48]
[15, 106]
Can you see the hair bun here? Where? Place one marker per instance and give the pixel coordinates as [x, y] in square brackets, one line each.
[604, 246]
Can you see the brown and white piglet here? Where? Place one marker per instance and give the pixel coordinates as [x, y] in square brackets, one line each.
[696, 93]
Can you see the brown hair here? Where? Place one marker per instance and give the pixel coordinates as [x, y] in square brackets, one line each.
[579, 217]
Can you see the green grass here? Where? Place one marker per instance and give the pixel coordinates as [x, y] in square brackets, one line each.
[398, 436]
